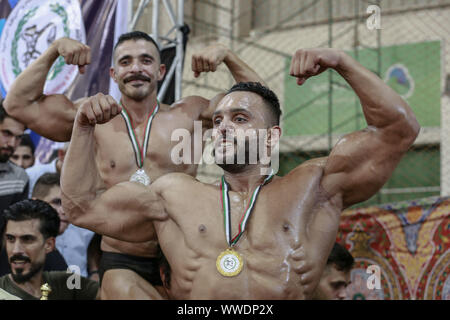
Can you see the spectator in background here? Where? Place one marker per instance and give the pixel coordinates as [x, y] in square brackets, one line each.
[23, 156]
[336, 275]
[31, 228]
[13, 179]
[54, 261]
[14, 182]
[72, 242]
[53, 166]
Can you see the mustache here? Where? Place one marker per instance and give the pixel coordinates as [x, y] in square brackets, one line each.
[19, 257]
[9, 149]
[136, 77]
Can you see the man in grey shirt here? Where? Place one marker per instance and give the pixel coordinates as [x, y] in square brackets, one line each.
[13, 179]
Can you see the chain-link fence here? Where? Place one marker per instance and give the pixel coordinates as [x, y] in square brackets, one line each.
[405, 47]
[405, 240]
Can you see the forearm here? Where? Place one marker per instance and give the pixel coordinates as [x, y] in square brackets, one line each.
[382, 106]
[80, 181]
[240, 71]
[124, 211]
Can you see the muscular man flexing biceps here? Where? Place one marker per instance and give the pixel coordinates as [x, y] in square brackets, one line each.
[136, 69]
[289, 223]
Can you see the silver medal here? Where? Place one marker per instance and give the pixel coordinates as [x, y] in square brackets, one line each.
[141, 177]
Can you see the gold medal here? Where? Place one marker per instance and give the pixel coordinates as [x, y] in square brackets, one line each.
[229, 263]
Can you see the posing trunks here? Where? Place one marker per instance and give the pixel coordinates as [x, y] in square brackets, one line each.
[147, 268]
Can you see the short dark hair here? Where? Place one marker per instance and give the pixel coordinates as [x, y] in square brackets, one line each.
[45, 183]
[136, 35]
[34, 209]
[341, 258]
[269, 97]
[26, 141]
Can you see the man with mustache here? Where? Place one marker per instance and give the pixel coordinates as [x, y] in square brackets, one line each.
[134, 146]
[54, 260]
[255, 235]
[31, 228]
[13, 179]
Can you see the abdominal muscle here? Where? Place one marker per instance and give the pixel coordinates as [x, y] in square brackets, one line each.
[208, 283]
[272, 282]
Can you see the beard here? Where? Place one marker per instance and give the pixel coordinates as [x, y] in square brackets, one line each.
[17, 273]
[244, 154]
[5, 154]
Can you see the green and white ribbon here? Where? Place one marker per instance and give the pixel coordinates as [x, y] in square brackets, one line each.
[138, 151]
[244, 219]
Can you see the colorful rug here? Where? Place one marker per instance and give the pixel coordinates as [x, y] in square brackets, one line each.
[406, 243]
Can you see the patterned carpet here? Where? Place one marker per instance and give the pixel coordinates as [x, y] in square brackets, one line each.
[408, 242]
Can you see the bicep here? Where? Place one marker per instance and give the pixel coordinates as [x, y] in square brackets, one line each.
[52, 117]
[360, 164]
[125, 211]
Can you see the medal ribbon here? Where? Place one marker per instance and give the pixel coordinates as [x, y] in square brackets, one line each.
[138, 151]
[226, 210]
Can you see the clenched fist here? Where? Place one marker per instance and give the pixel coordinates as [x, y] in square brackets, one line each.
[208, 59]
[97, 109]
[311, 62]
[74, 52]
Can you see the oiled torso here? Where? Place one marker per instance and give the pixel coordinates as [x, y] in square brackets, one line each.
[281, 244]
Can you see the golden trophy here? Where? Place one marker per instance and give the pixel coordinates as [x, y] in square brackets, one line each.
[45, 289]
